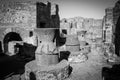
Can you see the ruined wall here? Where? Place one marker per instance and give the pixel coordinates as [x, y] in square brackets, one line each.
[93, 27]
[108, 26]
[18, 13]
[23, 17]
[47, 15]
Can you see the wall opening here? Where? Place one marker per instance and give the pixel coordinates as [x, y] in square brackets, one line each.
[11, 36]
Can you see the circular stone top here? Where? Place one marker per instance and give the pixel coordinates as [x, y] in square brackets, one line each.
[34, 67]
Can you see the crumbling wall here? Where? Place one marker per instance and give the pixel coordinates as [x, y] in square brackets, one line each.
[108, 26]
[47, 15]
[93, 27]
[18, 13]
[23, 17]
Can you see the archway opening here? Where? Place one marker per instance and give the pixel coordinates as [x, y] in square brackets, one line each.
[11, 36]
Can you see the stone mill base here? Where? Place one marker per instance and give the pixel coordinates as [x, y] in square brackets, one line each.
[59, 71]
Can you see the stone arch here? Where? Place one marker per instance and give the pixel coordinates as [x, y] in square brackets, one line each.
[11, 34]
[16, 30]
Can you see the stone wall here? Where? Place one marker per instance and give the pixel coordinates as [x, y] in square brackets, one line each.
[47, 15]
[108, 25]
[18, 13]
[22, 17]
[93, 27]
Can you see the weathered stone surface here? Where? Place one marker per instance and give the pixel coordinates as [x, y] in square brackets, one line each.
[47, 15]
[46, 59]
[72, 40]
[19, 13]
[54, 72]
[108, 25]
[27, 13]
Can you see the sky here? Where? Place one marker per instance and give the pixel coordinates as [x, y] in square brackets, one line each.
[84, 8]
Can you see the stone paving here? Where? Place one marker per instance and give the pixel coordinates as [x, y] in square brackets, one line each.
[90, 69]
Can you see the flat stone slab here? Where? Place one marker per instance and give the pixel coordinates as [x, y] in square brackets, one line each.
[59, 71]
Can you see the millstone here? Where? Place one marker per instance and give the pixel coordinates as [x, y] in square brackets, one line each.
[59, 71]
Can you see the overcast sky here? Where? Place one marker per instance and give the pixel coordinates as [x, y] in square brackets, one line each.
[83, 8]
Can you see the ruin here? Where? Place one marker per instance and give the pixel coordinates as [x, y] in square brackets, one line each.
[30, 29]
[82, 33]
[21, 18]
[34, 31]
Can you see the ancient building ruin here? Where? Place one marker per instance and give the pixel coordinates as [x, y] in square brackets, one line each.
[108, 26]
[35, 24]
[21, 18]
[111, 26]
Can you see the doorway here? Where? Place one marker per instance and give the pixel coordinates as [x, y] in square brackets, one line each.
[11, 36]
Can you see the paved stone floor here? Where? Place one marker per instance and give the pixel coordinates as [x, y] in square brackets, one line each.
[90, 69]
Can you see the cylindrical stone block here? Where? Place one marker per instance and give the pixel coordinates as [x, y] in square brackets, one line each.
[46, 59]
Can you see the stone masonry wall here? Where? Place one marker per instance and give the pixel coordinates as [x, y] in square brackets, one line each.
[93, 27]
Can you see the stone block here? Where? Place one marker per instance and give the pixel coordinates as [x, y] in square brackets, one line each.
[45, 34]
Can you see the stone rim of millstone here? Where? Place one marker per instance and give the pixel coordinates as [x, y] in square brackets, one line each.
[34, 65]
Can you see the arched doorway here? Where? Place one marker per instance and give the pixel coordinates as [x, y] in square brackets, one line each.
[117, 37]
[11, 36]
